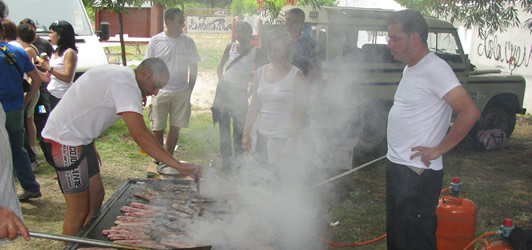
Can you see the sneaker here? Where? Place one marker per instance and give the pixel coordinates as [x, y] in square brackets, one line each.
[155, 161]
[34, 165]
[29, 195]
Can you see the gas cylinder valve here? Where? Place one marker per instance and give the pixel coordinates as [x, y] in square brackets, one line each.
[506, 228]
[455, 186]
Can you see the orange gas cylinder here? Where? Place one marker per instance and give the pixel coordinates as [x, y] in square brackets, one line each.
[504, 232]
[457, 218]
[495, 245]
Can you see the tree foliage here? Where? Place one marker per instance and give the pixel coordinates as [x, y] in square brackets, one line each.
[241, 7]
[272, 10]
[316, 4]
[488, 15]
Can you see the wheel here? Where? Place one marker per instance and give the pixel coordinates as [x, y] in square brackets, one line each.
[372, 137]
[495, 116]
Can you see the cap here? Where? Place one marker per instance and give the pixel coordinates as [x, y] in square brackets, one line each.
[28, 21]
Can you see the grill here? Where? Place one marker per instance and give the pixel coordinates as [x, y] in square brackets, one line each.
[111, 209]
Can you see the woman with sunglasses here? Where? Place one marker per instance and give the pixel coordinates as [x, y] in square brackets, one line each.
[62, 65]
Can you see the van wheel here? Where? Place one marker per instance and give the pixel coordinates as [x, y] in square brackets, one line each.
[497, 117]
[373, 123]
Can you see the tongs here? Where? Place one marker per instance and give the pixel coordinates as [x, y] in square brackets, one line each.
[81, 240]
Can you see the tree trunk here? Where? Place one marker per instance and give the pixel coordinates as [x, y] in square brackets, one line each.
[122, 43]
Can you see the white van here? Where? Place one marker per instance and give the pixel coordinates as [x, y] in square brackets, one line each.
[44, 12]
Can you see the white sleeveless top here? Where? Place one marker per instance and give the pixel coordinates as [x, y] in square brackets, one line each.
[276, 104]
[57, 87]
[8, 193]
[239, 74]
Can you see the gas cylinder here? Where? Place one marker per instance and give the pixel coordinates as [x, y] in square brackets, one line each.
[505, 231]
[457, 218]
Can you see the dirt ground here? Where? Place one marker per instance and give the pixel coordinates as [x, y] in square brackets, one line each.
[203, 94]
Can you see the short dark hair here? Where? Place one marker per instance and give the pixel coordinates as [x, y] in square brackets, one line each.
[154, 64]
[412, 21]
[298, 12]
[29, 21]
[26, 33]
[4, 11]
[10, 29]
[245, 27]
[171, 13]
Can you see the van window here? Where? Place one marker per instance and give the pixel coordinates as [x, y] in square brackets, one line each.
[44, 12]
[356, 45]
[444, 45]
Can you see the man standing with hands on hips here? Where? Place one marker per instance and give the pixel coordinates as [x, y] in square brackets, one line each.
[417, 133]
[179, 52]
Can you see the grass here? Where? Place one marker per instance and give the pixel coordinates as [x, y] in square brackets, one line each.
[499, 182]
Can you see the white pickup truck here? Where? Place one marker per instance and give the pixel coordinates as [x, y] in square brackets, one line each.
[360, 76]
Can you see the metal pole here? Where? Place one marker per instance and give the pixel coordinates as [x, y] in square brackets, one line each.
[80, 240]
[350, 171]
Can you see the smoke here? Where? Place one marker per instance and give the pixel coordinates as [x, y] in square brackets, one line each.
[271, 207]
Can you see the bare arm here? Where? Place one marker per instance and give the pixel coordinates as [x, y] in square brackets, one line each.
[251, 117]
[220, 69]
[35, 85]
[11, 225]
[71, 61]
[468, 114]
[300, 94]
[193, 76]
[145, 139]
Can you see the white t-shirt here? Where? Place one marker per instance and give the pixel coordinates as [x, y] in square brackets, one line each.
[93, 104]
[8, 193]
[57, 87]
[419, 115]
[276, 104]
[177, 53]
[239, 74]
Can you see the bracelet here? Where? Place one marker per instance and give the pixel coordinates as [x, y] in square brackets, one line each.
[50, 70]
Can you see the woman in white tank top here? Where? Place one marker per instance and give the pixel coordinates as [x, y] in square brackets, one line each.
[62, 65]
[277, 104]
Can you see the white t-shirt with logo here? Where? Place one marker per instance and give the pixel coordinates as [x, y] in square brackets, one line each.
[419, 115]
[93, 104]
[177, 53]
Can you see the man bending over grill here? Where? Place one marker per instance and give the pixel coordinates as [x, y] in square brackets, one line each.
[97, 100]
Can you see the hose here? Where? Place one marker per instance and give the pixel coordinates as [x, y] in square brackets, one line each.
[473, 242]
[353, 244]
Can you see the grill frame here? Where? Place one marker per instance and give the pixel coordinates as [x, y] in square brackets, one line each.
[123, 196]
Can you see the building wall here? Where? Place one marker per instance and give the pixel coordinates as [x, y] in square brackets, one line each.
[143, 22]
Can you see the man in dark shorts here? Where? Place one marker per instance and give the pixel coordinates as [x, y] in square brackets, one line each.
[98, 99]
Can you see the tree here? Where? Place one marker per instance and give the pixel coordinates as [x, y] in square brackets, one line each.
[316, 4]
[119, 7]
[488, 15]
[241, 7]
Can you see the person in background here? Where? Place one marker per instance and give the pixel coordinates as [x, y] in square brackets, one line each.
[42, 44]
[278, 100]
[42, 108]
[10, 33]
[26, 35]
[11, 223]
[14, 102]
[100, 97]
[303, 48]
[231, 101]
[179, 52]
[62, 64]
[417, 133]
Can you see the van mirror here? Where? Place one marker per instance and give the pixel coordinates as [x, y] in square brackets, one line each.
[105, 28]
